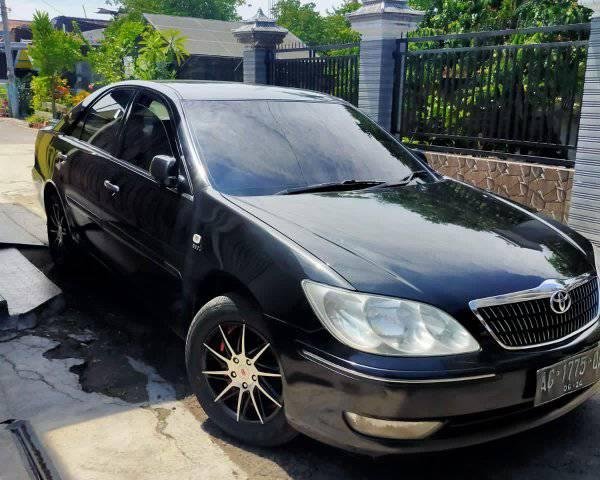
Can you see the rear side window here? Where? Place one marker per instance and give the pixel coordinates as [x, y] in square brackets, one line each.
[103, 120]
[147, 132]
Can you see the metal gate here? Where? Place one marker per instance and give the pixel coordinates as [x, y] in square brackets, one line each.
[510, 91]
[330, 69]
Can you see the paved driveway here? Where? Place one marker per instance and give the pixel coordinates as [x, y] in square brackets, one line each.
[103, 383]
[16, 159]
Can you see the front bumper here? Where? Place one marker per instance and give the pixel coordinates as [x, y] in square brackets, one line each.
[474, 409]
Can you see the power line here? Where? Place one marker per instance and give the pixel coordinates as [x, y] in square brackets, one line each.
[52, 6]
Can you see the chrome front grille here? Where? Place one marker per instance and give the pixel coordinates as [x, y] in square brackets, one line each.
[526, 319]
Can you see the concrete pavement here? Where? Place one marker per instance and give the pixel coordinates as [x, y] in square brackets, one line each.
[16, 159]
[94, 436]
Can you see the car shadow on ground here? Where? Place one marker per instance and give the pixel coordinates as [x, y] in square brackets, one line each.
[113, 323]
[566, 448]
[122, 326]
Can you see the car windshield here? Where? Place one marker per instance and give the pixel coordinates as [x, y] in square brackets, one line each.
[266, 147]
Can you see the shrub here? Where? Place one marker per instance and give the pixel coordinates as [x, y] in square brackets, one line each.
[25, 95]
[4, 110]
[42, 91]
[53, 51]
[79, 97]
[37, 120]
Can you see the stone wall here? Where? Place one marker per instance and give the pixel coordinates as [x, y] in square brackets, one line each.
[544, 188]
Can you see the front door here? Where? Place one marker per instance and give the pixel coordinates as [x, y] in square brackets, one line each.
[153, 220]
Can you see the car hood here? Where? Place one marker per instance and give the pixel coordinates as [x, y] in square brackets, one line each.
[444, 242]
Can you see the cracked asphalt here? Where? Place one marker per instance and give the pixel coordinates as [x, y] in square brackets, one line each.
[103, 384]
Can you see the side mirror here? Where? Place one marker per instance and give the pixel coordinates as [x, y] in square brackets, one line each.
[163, 169]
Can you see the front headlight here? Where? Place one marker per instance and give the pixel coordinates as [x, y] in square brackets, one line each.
[387, 326]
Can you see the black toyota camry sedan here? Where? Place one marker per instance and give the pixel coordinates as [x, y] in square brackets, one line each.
[326, 280]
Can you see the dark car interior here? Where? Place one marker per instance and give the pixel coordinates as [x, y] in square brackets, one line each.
[146, 132]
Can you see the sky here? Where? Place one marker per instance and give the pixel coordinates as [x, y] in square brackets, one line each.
[23, 10]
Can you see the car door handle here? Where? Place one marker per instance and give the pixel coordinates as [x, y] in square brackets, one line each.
[111, 187]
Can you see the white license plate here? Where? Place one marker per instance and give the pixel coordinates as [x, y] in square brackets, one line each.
[567, 376]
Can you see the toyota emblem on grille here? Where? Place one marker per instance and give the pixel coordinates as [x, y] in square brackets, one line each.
[560, 302]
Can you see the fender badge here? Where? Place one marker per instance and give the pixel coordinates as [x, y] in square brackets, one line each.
[197, 239]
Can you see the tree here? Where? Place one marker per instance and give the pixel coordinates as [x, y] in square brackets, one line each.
[338, 27]
[158, 52]
[174, 45]
[214, 9]
[53, 51]
[457, 16]
[153, 53]
[120, 41]
[305, 21]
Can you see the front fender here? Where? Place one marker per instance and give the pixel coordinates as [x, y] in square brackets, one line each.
[267, 263]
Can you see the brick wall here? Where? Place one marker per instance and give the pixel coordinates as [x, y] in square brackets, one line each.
[545, 188]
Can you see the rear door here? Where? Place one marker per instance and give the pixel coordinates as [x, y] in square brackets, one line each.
[153, 220]
[88, 165]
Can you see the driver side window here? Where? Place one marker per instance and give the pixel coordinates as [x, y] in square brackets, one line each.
[147, 132]
[103, 120]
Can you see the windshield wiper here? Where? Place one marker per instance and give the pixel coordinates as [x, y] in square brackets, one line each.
[332, 187]
[403, 182]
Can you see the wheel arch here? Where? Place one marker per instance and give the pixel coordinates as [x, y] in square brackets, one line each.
[50, 188]
[218, 283]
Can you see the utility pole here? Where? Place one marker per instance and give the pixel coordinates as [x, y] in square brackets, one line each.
[13, 96]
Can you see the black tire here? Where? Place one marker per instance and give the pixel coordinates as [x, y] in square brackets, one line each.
[230, 316]
[60, 242]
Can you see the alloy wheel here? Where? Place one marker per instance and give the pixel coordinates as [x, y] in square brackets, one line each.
[57, 227]
[243, 373]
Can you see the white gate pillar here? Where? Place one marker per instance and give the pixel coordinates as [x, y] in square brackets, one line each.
[584, 212]
[260, 35]
[380, 23]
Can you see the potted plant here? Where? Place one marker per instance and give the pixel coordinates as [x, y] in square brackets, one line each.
[37, 120]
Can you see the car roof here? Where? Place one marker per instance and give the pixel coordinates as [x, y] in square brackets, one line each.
[207, 90]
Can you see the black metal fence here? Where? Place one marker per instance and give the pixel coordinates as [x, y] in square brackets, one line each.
[514, 92]
[200, 67]
[330, 69]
